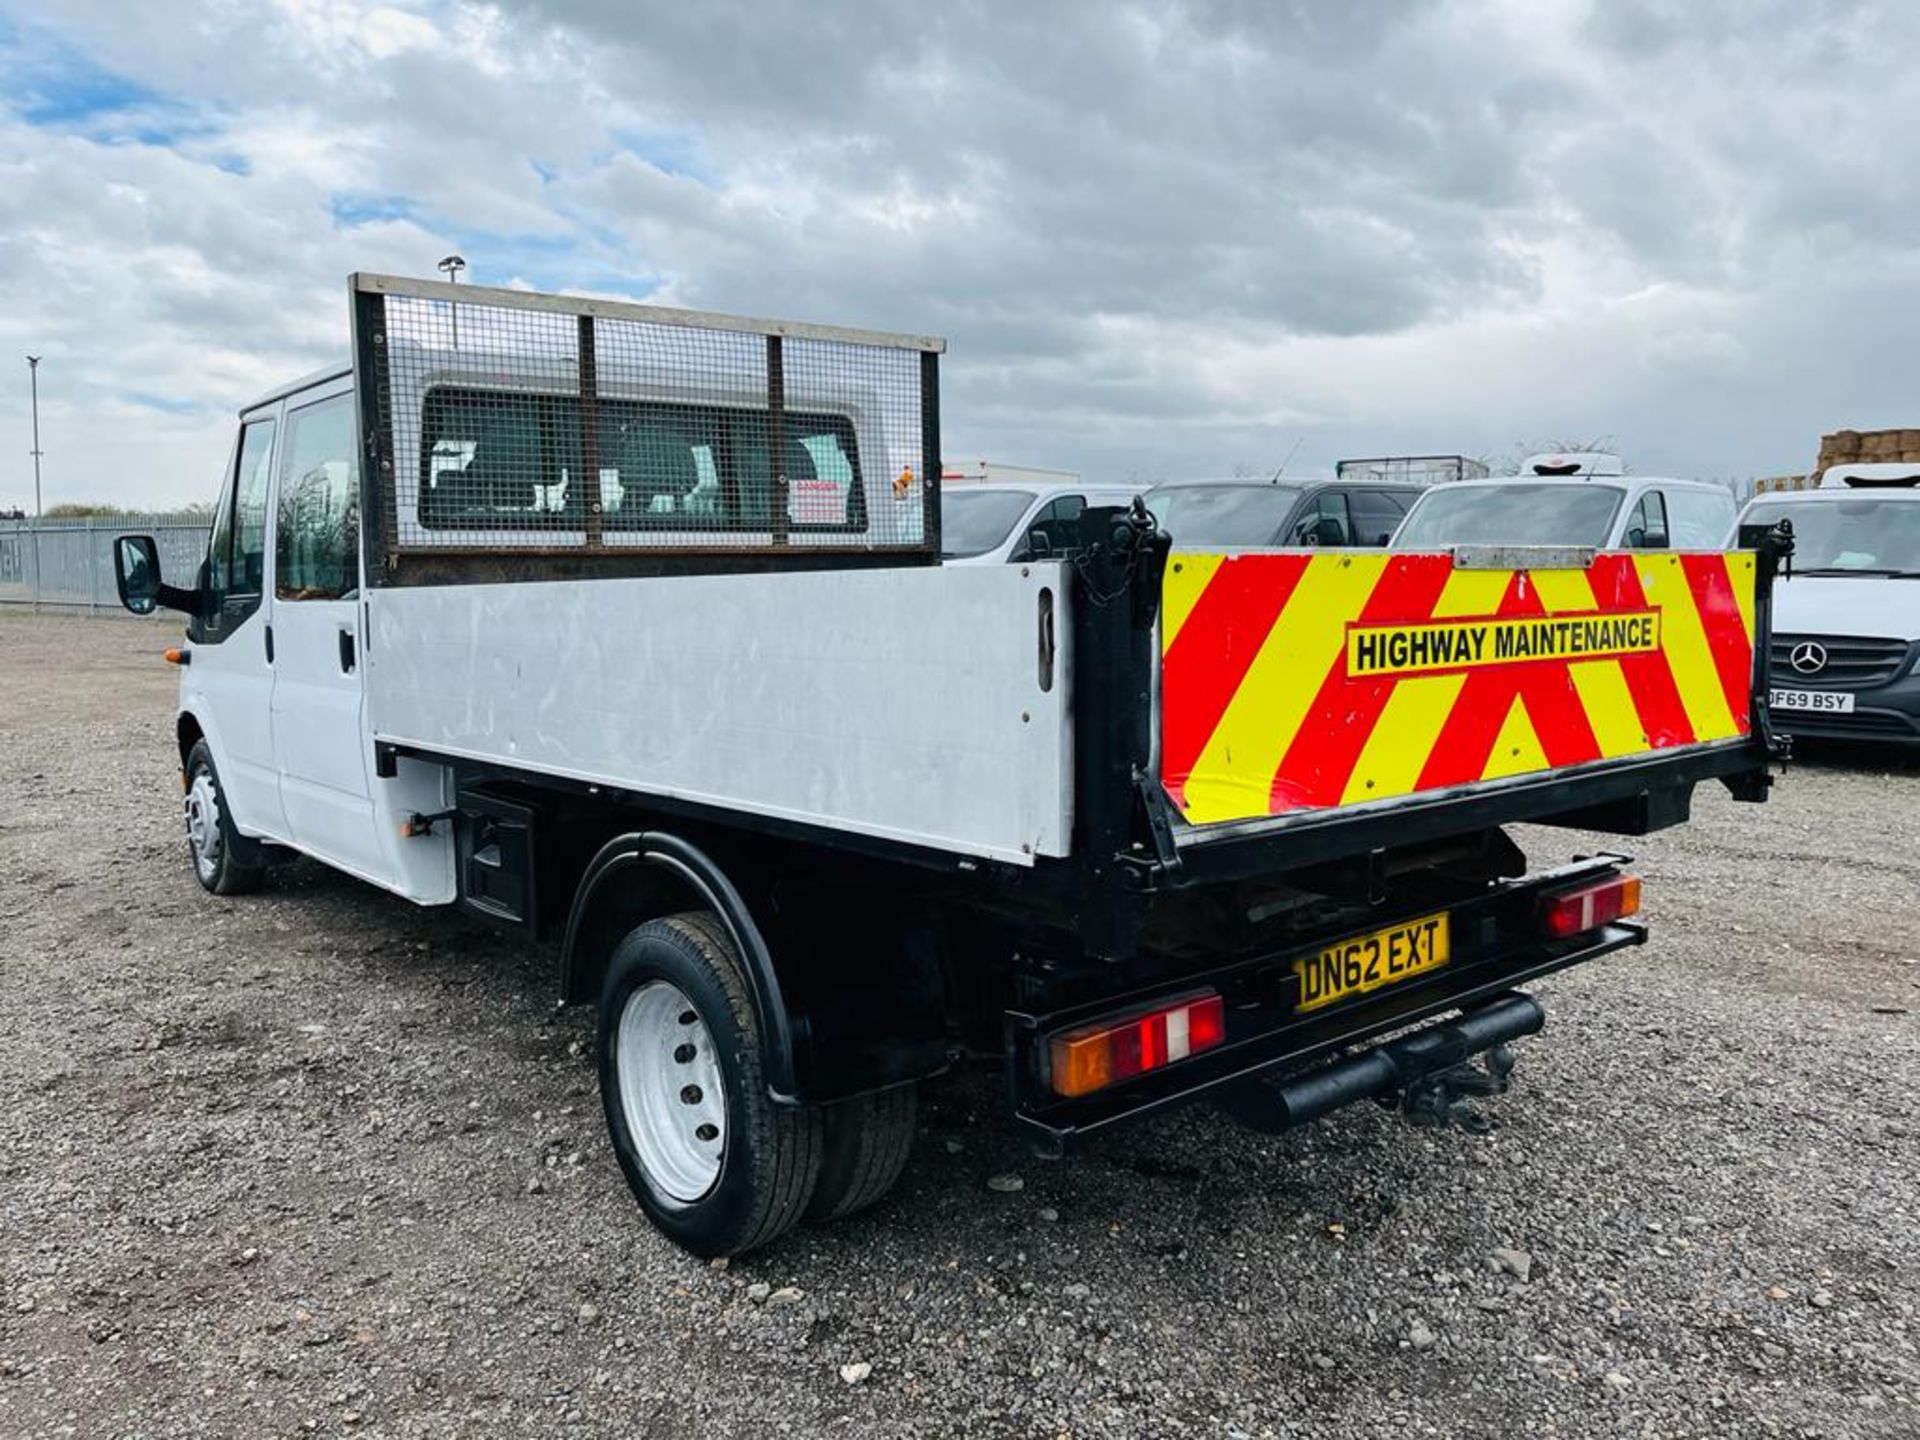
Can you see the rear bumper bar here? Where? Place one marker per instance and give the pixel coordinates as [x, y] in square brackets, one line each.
[1496, 949]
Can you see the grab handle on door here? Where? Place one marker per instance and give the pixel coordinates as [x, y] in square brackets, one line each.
[346, 652]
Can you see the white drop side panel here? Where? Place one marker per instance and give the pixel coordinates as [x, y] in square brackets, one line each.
[902, 703]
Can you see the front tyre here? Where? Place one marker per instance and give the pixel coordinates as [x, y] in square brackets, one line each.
[715, 1164]
[224, 861]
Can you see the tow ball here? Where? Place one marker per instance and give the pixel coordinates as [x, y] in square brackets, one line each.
[1432, 1074]
[1443, 1099]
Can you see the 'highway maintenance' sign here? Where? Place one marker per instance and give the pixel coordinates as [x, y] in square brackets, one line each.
[1294, 680]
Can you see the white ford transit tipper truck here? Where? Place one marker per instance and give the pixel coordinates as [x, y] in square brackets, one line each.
[627, 627]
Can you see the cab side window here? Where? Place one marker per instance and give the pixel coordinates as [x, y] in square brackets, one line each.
[318, 551]
[1376, 515]
[1647, 526]
[1059, 522]
[237, 545]
[1700, 520]
[1324, 521]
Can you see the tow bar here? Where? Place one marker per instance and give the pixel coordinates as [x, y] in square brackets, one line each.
[1430, 1074]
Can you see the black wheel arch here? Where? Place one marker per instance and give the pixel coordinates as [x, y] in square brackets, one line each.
[646, 874]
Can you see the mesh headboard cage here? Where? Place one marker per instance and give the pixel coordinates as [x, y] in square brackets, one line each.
[507, 421]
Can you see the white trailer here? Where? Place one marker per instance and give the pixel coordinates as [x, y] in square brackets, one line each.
[628, 627]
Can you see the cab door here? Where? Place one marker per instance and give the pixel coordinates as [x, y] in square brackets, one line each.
[1646, 527]
[229, 685]
[319, 729]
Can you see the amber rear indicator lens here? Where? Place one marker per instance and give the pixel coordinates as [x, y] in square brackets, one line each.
[1574, 912]
[1114, 1048]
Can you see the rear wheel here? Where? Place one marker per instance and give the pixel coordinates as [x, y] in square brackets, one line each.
[867, 1143]
[714, 1163]
[224, 861]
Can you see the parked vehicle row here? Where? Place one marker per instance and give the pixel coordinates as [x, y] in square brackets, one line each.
[1846, 643]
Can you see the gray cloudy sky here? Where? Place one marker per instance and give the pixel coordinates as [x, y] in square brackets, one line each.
[1163, 240]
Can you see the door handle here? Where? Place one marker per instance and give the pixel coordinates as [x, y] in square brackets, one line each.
[269, 644]
[346, 652]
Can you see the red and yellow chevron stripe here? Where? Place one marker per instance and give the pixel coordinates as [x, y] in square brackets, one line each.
[1294, 680]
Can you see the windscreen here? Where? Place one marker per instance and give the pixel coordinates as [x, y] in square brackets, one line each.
[1517, 514]
[1850, 534]
[973, 522]
[1223, 517]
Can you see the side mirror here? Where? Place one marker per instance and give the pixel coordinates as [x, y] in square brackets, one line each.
[136, 570]
[1038, 547]
[1653, 540]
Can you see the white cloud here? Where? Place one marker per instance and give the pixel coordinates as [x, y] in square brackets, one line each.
[1162, 239]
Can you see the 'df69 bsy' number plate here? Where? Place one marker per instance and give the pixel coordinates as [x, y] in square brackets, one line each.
[1366, 962]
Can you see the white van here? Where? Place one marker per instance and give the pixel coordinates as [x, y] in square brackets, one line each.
[1846, 628]
[1571, 500]
[996, 522]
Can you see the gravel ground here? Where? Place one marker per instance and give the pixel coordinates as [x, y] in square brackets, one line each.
[317, 1161]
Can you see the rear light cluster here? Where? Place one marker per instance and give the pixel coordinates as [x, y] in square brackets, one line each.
[1115, 1048]
[1574, 912]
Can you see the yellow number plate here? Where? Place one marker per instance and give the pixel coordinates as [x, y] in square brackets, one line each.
[1366, 962]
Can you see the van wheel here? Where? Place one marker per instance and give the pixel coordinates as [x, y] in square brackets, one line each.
[868, 1141]
[224, 860]
[712, 1160]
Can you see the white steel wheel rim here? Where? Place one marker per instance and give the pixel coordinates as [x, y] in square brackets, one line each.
[203, 823]
[672, 1091]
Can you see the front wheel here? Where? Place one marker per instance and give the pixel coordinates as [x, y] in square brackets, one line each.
[712, 1160]
[224, 861]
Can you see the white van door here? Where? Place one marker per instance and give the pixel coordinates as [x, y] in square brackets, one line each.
[229, 684]
[319, 728]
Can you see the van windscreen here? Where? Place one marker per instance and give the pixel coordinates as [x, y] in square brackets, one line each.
[1854, 533]
[1518, 514]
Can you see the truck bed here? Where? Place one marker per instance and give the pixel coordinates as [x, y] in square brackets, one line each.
[905, 704]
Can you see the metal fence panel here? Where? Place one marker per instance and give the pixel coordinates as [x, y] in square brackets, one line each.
[68, 564]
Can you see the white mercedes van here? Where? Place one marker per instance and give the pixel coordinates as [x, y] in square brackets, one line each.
[1846, 627]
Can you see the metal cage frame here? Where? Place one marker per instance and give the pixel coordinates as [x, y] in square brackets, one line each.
[399, 548]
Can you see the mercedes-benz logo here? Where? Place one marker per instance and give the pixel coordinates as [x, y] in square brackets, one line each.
[1809, 657]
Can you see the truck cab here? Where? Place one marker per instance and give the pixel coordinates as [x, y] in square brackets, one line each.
[272, 731]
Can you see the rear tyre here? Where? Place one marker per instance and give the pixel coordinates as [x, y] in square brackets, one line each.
[716, 1165]
[867, 1143]
[225, 862]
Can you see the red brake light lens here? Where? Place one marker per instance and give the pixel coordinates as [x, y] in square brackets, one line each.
[1093, 1056]
[1574, 912]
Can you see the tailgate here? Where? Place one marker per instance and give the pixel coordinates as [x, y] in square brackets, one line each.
[1303, 681]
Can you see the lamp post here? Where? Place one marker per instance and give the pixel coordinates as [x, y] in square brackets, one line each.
[39, 514]
[451, 266]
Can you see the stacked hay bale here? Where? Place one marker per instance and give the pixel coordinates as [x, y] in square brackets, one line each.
[1854, 447]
